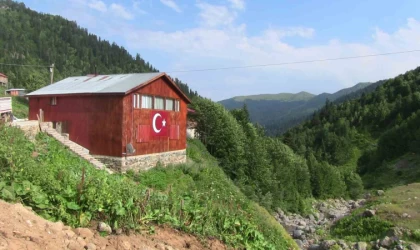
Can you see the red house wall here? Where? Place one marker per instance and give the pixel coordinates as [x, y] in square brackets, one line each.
[94, 122]
[134, 117]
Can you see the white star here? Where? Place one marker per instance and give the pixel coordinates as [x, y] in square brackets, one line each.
[164, 123]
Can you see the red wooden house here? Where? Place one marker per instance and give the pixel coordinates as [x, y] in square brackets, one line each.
[128, 121]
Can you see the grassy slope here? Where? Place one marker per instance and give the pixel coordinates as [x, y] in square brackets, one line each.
[47, 177]
[400, 200]
[206, 174]
[19, 105]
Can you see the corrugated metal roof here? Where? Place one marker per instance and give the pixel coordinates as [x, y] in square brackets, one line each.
[99, 84]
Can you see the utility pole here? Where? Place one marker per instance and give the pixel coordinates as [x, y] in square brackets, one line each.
[52, 72]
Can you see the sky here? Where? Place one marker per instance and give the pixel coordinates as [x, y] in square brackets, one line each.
[183, 35]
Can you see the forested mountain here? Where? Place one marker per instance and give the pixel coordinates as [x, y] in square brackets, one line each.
[263, 167]
[370, 132]
[357, 136]
[31, 38]
[279, 112]
[284, 97]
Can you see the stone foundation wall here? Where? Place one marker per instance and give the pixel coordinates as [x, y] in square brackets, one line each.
[29, 128]
[143, 162]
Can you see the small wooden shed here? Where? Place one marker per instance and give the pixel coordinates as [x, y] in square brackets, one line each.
[128, 121]
[15, 92]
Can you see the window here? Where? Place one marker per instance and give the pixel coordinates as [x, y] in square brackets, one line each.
[53, 101]
[177, 105]
[136, 101]
[159, 104]
[169, 104]
[146, 102]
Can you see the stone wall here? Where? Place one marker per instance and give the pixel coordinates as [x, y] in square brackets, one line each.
[143, 162]
[30, 128]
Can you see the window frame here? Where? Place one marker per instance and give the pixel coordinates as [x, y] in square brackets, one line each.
[53, 101]
[141, 101]
[177, 105]
[154, 102]
[134, 100]
[173, 104]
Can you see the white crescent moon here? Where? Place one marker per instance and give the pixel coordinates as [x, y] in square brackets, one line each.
[154, 123]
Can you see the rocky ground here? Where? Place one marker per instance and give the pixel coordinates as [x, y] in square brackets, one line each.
[308, 231]
[21, 228]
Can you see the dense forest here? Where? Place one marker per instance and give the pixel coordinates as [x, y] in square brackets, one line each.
[279, 112]
[263, 167]
[365, 134]
[31, 38]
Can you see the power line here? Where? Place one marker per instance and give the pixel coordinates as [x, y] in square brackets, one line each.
[25, 65]
[295, 62]
[250, 66]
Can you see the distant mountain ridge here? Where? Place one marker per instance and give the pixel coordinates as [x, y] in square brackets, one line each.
[287, 97]
[279, 112]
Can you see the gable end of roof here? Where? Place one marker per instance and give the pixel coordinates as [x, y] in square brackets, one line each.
[172, 83]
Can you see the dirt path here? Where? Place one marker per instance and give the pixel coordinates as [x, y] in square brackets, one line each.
[21, 228]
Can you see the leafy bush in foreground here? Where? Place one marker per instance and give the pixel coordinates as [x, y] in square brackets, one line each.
[359, 228]
[60, 186]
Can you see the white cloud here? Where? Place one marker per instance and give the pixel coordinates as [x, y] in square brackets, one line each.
[237, 4]
[97, 5]
[215, 15]
[171, 4]
[291, 31]
[120, 11]
[219, 40]
[232, 46]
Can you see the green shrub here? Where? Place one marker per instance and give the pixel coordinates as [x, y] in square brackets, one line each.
[416, 235]
[359, 228]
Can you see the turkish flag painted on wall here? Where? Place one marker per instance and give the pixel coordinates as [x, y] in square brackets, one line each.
[160, 123]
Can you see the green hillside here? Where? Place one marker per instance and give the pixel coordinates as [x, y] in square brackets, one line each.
[381, 126]
[31, 38]
[279, 112]
[196, 198]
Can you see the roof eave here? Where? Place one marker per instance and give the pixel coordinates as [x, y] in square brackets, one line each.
[76, 94]
[157, 77]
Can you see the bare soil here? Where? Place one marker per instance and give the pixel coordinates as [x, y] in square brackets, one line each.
[21, 228]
